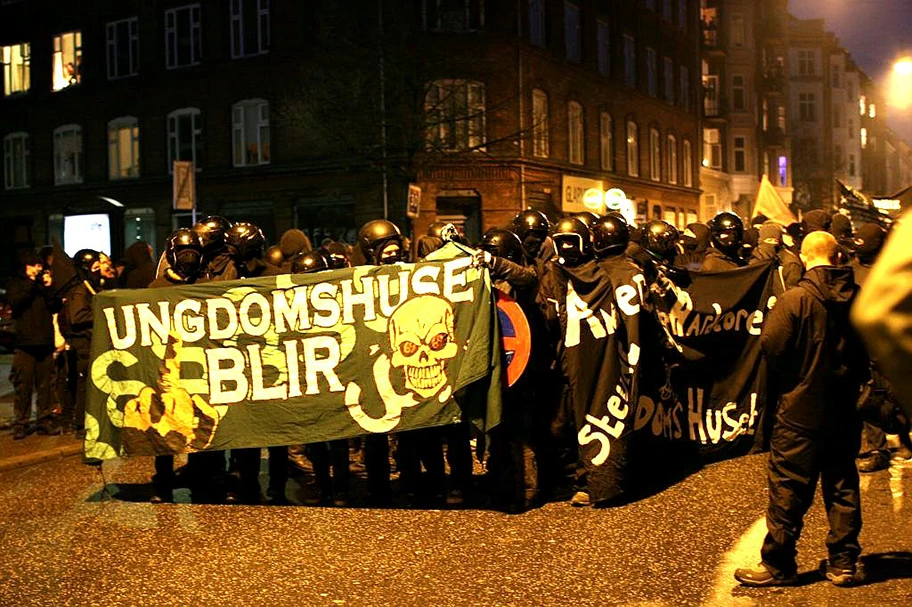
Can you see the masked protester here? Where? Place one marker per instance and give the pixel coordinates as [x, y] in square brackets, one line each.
[246, 245]
[771, 248]
[533, 227]
[96, 272]
[217, 262]
[727, 234]
[694, 242]
[184, 256]
[879, 405]
[819, 364]
[33, 300]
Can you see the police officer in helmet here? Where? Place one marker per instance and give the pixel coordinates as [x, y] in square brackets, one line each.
[727, 234]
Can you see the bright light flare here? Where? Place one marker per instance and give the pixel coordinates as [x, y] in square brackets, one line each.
[899, 89]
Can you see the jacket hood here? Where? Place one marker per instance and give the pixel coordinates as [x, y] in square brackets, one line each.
[831, 284]
[137, 254]
[294, 241]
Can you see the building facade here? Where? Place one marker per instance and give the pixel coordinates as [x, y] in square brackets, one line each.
[320, 116]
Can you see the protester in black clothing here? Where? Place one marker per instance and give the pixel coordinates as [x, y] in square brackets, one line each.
[533, 227]
[292, 243]
[140, 269]
[727, 234]
[771, 249]
[820, 365]
[32, 297]
[245, 244]
[95, 272]
[274, 256]
[217, 262]
[694, 242]
[184, 253]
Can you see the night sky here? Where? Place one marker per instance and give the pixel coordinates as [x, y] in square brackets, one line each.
[875, 32]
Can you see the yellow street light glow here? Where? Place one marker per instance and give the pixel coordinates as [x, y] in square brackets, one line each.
[903, 67]
[899, 88]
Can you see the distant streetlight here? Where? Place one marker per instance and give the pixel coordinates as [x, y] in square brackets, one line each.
[899, 91]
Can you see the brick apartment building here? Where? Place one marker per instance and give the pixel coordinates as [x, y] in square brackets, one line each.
[319, 115]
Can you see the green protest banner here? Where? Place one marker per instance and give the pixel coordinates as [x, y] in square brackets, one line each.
[293, 359]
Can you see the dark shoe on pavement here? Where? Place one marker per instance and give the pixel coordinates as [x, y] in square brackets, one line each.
[19, 432]
[839, 576]
[760, 576]
[49, 428]
[580, 499]
[873, 462]
[340, 500]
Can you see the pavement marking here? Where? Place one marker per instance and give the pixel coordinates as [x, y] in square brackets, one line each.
[744, 553]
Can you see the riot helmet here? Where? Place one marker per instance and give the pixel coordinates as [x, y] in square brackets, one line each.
[727, 232]
[659, 239]
[184, 253]
[380, 242]
[311, 261]
[532, 227]
[610, 235]
[245, 242]
[211, 231]
[573, 241]
[337, 254]
[274, 256]
[436, 229]
[587, 217]
[502, 243]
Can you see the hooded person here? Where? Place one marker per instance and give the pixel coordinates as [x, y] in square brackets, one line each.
[841, 228]
[819, 365]
[868, 243]
[33, 301]
[694, 241]
[770, 248]
[816, 220]
[139, 270]
[293, 242]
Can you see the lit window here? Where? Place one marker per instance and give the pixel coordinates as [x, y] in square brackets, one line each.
[862, 105]
[249, 27]
[453, 15]
[864, 137]
[606, 141]
[671, 156]
[765, 115]
[783, 170]
[67, 60]
[16, 74]
[455, 115]
[541, 132]
[250, 132]
[688, 164]
[575, 132]
[68, 154]
[183, 36]
[123, 148]
[633, 149]
[872, 111]
[780, 118]
[123, 48]
[572, 31]
[712, 149]
[655, 156]
[184, 133]
[16, 161]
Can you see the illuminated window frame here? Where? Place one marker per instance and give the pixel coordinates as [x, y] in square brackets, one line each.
[67, 67]
[68, 161]
[123, 131]
[17, 78]
[242, 114]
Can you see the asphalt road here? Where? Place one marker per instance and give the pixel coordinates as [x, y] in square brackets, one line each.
[64, 541]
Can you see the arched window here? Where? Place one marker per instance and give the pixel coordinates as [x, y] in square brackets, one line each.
[123, 148]
[575, 136]
[655, 155]
[606, 141]
[633, 149]
[687, 153]
[671, 156]
[541, 129]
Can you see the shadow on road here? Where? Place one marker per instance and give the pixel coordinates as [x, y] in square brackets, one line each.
[884, 566]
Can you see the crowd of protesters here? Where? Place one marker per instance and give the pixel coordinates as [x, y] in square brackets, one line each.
[808, 342]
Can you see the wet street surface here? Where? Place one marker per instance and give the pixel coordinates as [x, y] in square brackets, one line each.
[77, 535]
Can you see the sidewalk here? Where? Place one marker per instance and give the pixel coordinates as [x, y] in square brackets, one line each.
[34, 448]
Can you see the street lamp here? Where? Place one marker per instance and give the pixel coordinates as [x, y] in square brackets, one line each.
[900, 84]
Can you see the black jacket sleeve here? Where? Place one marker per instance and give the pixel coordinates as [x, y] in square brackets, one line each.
[20, 293]
[519, 277]
[778, 337]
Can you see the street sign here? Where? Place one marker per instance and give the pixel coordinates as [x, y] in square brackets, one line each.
[516, 336]
[184, 184]
[413, 204]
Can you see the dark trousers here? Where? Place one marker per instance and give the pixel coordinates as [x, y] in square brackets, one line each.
[417, 447]
[796, 461]
[32, 369]
[330, 455]
[459, 455]
[74, 407]
[246, 464]
[376, 462]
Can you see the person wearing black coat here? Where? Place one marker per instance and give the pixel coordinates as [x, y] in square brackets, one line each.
[820, 365]
[33, 302]
[140, 269]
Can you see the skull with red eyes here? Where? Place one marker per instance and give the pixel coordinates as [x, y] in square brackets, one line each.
[423, 340]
